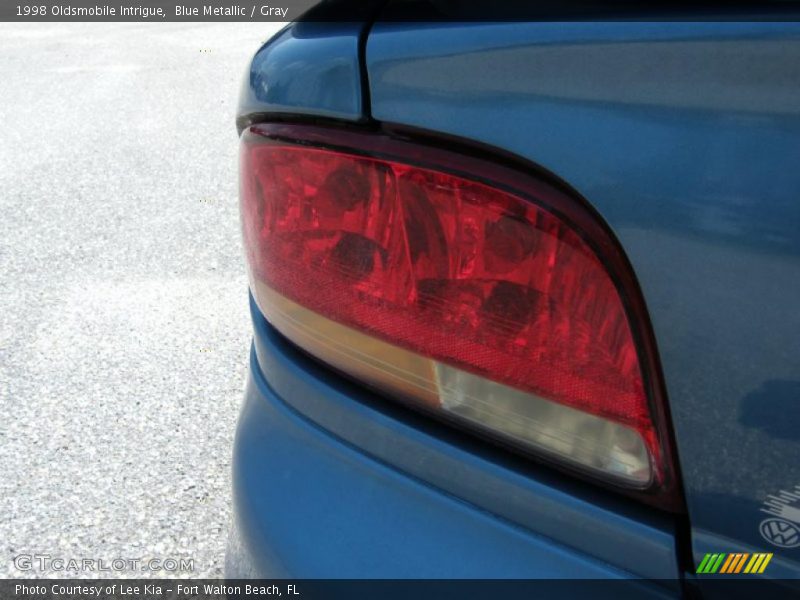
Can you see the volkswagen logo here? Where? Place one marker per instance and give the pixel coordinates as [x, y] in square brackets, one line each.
[780, 532]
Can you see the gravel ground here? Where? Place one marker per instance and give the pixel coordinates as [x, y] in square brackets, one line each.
[123, 305]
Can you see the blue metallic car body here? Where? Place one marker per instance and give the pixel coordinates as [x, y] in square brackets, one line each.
[695, 172]
[307, 68]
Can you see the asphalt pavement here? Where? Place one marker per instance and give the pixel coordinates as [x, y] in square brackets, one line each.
[124, 331]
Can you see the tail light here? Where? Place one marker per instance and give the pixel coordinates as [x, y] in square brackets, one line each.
[460, 286]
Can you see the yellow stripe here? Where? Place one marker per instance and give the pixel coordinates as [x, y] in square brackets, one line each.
[728, 561]
[741, 563]
[758, 563]
[765, 563]
[749, 567]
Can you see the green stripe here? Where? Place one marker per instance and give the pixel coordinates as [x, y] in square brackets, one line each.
[711, 560]
[718, 563]
[701, 568]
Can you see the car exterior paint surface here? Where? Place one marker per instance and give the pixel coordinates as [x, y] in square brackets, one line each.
[683, 136]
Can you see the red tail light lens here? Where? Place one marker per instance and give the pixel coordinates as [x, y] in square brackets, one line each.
[488, 302]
